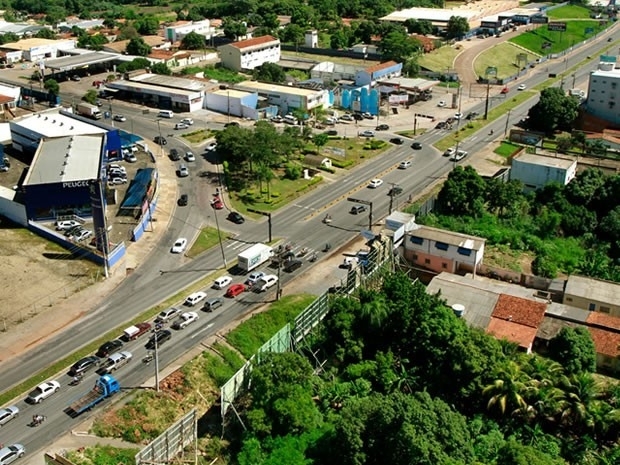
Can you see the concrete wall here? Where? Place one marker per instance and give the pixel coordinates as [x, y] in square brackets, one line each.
[10, 209]
[612, 309]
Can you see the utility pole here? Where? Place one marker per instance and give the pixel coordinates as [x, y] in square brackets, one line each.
[392, 195]
[490, 71]
[507, 122]
[156, 362]
[219, 235]
[370, 218]
[268, 215]
[415, 122]
[161, 145]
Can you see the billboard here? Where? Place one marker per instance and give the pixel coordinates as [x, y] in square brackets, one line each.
[557, 26]
[527, 137]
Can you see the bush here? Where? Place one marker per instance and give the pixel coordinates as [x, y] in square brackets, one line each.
[292, 171]
[545, 267]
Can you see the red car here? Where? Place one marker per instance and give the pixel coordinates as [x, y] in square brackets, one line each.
[505, 90]
[235, 290]
[217, 203]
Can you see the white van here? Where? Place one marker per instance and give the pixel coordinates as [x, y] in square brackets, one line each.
[166, 114]
[290, 119]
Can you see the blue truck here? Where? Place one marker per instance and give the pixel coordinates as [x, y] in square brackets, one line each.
[105, 387]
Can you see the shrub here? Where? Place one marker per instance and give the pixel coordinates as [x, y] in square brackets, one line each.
[292, 171]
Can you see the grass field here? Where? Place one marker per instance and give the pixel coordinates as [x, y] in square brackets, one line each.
[575, 32]
[506, 149]
[502, 56]
[569, 12]
[439, 60]
[206, 239]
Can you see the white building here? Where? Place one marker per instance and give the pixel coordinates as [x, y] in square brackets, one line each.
[251, 53]
[36, 49]
[535, 171]
[178, 31]
[287, 98]
[604, 93]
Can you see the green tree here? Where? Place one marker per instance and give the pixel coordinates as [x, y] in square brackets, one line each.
[161, 68]
[339, 39]
[269, 72]
[52, 86]
[292, 33]
[398, 46]
[137, 46]
[564, 144]
[514, 453]
[508, 392]
[573, 348]
[193, 41]
[554, 110]
[147, 25]
[463, 193]
[234, 29]
[90, 96]
[457, 27]
[583, 189]
[45, 34]
[504, 198]
[320, 140]
[8, 37]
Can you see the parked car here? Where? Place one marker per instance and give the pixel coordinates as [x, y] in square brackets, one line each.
[521, 87]
[181, 126]
[211, 146]
[441, 103]
[232, 123]
[441, 125]
[167, 315]
[382, 127]
[236, 218]
[158, 338]
[416, 146]
[83, 365]
[82, 235]
[357, 209]
[331, 132]
[182, 202]
[222, 282]
[185, 320]
[117, 180]
[179, 245]
[189, 157]
[43, 391]
[276, 119]
[175, 155]
[397, 141]
[10, 454]
[7, 414]
[358, 116]
[458, 115]
[346, 117]
[403, 165]
[367, 133]
[194, 298]
[212, 304]
[254, 276]
[120, 118]
[183, 171]
[160, 140]
[367, 115]
[66, 225]
[217, 203]
[374, 183]
[117, 167]
[108, 347]
[235, 290]
[187, 121]
[130, 157]
[76, 78]
[266, 282]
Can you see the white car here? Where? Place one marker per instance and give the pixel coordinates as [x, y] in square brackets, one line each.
[179, 246]
[189, 156]
[130, 157]
[404, 165]
[66, 225]
[374, 183]
[521, 87]
[82, 235]
[43, 391]
[458, 115]
[211, 146]
[449, 152]
[441, 103]
[183, 171]
[254, 277]
[120, 118]
[458, 156]
[194, 298]
[187, 121]
[367, 133]
[266, 282]
[181, 126]
[117, 180]
[185, 320]
[222, 282]
[346, 117]
[116, 167]
[8, 413]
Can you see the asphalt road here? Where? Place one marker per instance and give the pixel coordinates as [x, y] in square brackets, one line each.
[301, 222]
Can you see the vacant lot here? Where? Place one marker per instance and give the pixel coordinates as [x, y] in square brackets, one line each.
[555, 41]
[502, 56]
[439, 60]
[569, 11]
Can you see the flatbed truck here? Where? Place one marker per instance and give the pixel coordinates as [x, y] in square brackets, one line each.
[105, 387]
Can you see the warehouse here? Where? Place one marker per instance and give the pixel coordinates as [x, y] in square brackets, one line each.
[233, 102]
[288, 98]
[36, 49]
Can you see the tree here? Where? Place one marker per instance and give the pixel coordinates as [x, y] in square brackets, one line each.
[161, 68]
[507, 393]
[45, 34]
[398, 46]
[554, 111]
[52, 86]
[292, 33]
[504, 197]
[321, 139]
[90, 96]
[463, 193]
[514, 453]
[564, 144]
[339, 39]
[457, 27]
[234, 29]
[269, 72]
[137, 46]
[147, 25]
[573, 348]
[193, 41]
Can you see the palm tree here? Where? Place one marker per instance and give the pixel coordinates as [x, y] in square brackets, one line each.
[580, 392]
[508, 392]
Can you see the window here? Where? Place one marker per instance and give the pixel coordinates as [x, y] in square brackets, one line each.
[613, 85]
[414, 256]
[592, 307]
[444, 265]
[427, 261]
[604, 309]
[464, 251]
[441, 245]
[416, 240]
[569, 299]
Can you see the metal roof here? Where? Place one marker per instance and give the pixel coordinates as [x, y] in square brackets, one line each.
[429, 14]
[275, 88]
[448, 237]
[551, 162]
[79, 61]
[66, 159]
[169, 81]
[18, 28]
[54, 124]
[592, 289]
[408, 83]
[140, 86]
[28, 44]
[567, 312]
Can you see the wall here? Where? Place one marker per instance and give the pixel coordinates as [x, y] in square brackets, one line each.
[535, 176]
[14, 211]
[47, 201]
[426, 260]
[144, 223]
[591, 305]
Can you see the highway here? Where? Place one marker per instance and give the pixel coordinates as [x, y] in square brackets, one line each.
[300, 222]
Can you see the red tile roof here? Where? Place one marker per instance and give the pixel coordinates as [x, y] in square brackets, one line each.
[514, 332]
[253, 42]
[603, 320]
[606, 342]
[380, 66]
[6, 99]
[519, 310]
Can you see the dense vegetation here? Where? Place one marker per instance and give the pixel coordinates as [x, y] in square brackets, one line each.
[571, 229]
[404, 381]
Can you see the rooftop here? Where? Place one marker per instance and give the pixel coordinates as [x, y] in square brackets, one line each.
[514, 332]
[33, 42]
[67, 63]
[169, 81]
[408, 83]
[231, 93]
[567, 313]
[254, 42]
[429, 14]
[54, 124]
[140, 86]
[267, 87]
[550, 327]
[602, 320]
[448, 237]
[605, 342]
[551, 162]
[66, 159]
[380, 66]
[613, 73]
[594, 290]
[518, 310]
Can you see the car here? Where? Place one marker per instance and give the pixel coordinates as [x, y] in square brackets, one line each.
[194, 298]
[459, 155]
[357, 209]
[232, 123]
[276, 119]
[211, 146]
[441, 125]
[185, 320]
[179, 245]
[82, 235]
[116, 167]
[187, 121]
[458, 116]
[331, 120]
[451, 120]
[43, 391]
[72, 231]
[108, 347]
[212, 304]
[367, 115]
[416, 146]
[236, 218]
[11, 453]
[159, 140]
[7, 414]
[83, 365]
[521, 87]
[397, 141]
[367, 133]
[175, 155]
[374, 183]
[346, 117]
[403, 165]
[114, 362]
[158, 339]
[120, 118]
[99, 103]
[217, 203]
[358, 116]
[395, 190]
[331, 132]
[254, 276]
[266, 282]
[66, 225]
[449, 152]
[183, 171]
[76, 78]
[181, 126]
[441, 103]
[117, 181]
[505, 90]
[167, 315]
[382, 127]
[235, 290]
[610, 39]
[292, 265]
[190, 157]
[182, 202]
[130, 157]
[222, 282]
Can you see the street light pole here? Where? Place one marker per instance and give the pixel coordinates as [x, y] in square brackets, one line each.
[219, 235]
[156, 363]
[159, 129]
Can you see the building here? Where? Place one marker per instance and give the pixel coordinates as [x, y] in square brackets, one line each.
[536, 171]
[334, 72]
[288, 98]
[369, 76]
[250, 53]
[604, 93]
[233, 102]
[20, 29]
[35, 49]
[177, 32]
[9, 98]
[591, 294]
[438, 17]
[155, 42]
[440, 250]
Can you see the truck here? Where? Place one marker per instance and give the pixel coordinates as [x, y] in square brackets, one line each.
[88, 110]
[105, 387]
[135, 331]
[254, 257]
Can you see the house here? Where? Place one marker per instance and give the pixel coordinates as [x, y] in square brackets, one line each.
[35, 49]
[170, 58]
[250, 53]
[155, 42]
[369, 76]
[176, 32]
[536, 171]
[591, 294]
[517, 319]
[440, 250]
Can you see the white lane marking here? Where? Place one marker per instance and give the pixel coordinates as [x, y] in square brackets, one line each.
[210, 325]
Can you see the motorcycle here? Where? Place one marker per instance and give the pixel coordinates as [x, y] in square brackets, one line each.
[327, 219]
[313, 257]
[37, 420]
[327, 248]
[148, 358]
[76, 380]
